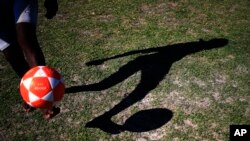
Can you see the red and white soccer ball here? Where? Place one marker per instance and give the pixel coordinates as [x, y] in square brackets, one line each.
[42, 87]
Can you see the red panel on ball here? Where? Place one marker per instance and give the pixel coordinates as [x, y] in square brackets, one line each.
[40, 86]
[51, 73]
[58, 91]
[30, 73]
[42, 104]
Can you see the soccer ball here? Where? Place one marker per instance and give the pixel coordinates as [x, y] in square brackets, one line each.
[42, 87]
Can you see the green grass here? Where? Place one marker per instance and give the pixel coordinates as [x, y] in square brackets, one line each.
[206, 91]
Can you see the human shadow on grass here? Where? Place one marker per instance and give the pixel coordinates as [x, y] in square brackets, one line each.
[154, 65]
[147, 120]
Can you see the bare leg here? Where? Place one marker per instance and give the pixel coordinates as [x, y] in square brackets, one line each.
[14, 56]
[27, 39]
[25, 54]
[150, 78]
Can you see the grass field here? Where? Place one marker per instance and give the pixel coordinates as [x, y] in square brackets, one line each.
[136, 70]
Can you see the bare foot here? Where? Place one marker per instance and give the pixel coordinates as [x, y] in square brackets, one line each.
[104, 123]
[48, 114]
[28, 108]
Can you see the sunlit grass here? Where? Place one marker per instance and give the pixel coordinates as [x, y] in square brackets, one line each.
[206, 91]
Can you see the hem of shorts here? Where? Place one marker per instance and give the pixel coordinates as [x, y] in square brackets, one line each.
[4, 46]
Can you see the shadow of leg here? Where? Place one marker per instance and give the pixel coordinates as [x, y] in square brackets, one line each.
[123, 73]
[104, 123]
[147, 83]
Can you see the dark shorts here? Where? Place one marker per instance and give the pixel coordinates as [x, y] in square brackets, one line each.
[11, 13]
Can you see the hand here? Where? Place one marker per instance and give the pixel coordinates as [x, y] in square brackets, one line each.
[214, 43]
[51, 7]
[96, 62]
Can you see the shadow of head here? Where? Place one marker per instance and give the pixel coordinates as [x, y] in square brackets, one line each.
[147, 120]
[214, 43]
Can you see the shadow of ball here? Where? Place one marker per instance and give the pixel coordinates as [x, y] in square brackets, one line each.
[147, 120]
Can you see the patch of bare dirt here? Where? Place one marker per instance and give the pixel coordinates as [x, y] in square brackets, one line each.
[216, 96]
[203, 103]
[133, 22]
[179, 82]
[176, 99]
[247, 113]
[104, 18]
[158, 9]
[229, 57]
[154, 135]
[147, 101]
[190, 123]
[216, 136]
[89, 33]
[229, 100]
[242, 69]
[170, 21]
[199, 82]
[220, 79]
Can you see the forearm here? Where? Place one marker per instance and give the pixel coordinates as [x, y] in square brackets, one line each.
[27, 40]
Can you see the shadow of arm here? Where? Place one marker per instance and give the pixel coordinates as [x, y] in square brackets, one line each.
[101, 61]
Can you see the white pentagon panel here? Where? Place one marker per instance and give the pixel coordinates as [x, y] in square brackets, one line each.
[33, 97]
[27, 83]
[40, 73]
